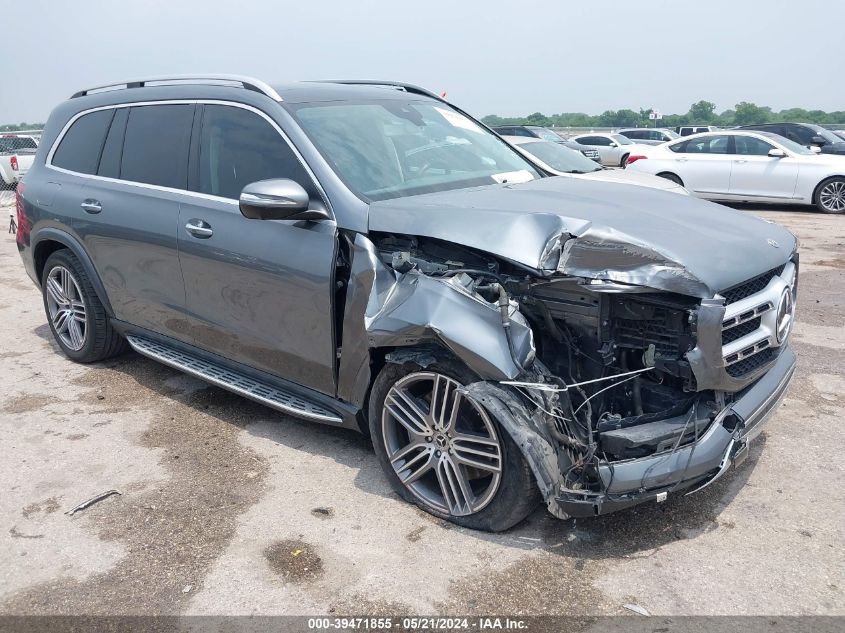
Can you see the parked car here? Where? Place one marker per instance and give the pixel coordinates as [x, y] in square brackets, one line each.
[16, 156]
[534, 131]
[750, 166]
[805, 134]
[648, 136]
[613, 149]
[686, 130]
[562, 161]
[379, 260]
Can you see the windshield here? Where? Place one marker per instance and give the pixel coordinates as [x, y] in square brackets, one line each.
[621, 139]
[672, 135]
[827, 135]
[792, 146]
[561, 158]
[389, 149]
[547, 135]
[14, 143]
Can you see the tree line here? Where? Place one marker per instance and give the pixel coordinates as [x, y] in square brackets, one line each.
[700, 113]
[17, 127]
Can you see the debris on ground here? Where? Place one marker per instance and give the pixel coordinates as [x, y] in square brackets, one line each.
[637, 609]
[92, 501]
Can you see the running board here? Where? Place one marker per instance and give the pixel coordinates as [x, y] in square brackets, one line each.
[281, 400]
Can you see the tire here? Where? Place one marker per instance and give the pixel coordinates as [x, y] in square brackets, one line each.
[493, 501]
[624, 163]
[672, 177]
[830, 196]
[84, 332]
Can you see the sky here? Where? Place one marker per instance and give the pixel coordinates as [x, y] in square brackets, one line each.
[490, 57]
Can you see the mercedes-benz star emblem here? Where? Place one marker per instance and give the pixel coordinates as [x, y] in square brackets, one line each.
[786, 309]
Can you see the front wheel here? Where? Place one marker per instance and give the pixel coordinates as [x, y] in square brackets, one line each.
[444, 452]
[672, 177]
[624, 162]
[830, 196]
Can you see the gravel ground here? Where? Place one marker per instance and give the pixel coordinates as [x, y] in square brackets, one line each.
[230, 508]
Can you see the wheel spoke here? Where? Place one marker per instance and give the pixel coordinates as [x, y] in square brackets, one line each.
[404, 410]
[75, 332]
[60, 321]
[477, 452]
[455, 487]
[54, 290]
[415, 467]
[67, 284]
[78, 309]
[444, 409]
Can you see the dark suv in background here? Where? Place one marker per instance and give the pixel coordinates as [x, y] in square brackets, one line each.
[806, 134]
[368, 256]
[535, 131]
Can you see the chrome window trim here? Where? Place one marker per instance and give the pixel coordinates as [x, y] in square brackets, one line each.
[196, 194]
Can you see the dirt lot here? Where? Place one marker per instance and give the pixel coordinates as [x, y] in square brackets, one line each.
[228, 507]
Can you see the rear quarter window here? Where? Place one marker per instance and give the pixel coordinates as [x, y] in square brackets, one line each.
[81, 146]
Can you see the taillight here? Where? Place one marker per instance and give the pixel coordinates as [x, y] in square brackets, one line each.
[14, 163]
[22, 234]
[635, 158]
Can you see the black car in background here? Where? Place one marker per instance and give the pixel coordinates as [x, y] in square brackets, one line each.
[536, 131]
[806, 134]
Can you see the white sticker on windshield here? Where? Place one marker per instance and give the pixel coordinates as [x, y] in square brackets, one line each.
[512, 177]
[458, 120]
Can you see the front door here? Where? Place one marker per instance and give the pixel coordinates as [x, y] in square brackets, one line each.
[258, 292]
[704, 164]
[755, 174]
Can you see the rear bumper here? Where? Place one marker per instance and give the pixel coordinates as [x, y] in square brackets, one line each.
[725, 443]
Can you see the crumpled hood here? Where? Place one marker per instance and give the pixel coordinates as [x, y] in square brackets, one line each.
[623, 233]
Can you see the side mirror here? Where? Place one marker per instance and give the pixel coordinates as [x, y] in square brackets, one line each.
[613, 144]
[816, 149]
[818, 140]
[278, 199]
[777, 153]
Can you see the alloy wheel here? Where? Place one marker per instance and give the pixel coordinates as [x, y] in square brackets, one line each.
[443, 446]
[66, 307]
[832, 196]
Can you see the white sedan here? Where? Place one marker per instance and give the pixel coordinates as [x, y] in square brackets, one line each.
[613, 149]
[745, 166]
[562, 161]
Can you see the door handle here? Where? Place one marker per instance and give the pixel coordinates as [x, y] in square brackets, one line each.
[199, 228]
[680, 160]
[741, 160]
[91, 206]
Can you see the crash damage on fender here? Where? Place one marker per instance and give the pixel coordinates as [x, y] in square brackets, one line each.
[631, 349]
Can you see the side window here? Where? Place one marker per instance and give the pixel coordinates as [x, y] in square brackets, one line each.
[678, 148]
[634, 134]
[113, 148]
[601, 141]
[750, 146]
[82, 144]
[587, 140]
[707, 145]
[155, 146]
[803, 135]
[521, 131]
[238, 147]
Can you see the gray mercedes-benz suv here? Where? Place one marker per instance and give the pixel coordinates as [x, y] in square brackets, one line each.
[366, 255]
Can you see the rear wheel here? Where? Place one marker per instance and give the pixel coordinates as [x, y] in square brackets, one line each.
[76, 316]
[672, 177]
[444, 452]
[830, 195]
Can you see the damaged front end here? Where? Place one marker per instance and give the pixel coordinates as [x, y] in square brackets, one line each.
[620, 374]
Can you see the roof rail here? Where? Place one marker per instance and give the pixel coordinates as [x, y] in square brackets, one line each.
[246, 82]
[386, 84]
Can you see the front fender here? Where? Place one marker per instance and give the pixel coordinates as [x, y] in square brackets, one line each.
[387, 309]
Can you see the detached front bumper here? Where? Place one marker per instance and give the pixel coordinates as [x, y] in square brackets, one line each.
[724, 443]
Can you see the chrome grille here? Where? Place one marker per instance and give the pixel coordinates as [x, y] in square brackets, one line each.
[749, 326]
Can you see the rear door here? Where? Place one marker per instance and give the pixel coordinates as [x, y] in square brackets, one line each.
[607, 154]
[127, 210]
[258, 292]
[755, 174]
[704, 164]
